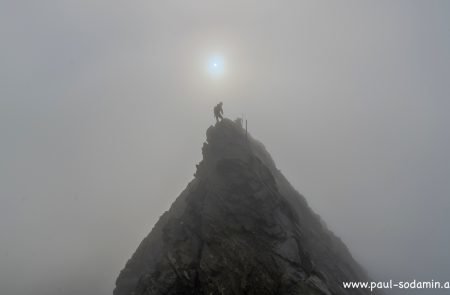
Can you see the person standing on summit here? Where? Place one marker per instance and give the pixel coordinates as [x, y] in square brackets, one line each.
[218, 111]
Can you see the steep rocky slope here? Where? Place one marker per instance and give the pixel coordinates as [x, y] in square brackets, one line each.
[239, 227]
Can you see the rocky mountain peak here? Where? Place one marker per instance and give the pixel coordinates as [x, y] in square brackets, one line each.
[239, 227]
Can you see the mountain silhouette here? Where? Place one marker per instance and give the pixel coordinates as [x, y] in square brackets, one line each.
[239, 227]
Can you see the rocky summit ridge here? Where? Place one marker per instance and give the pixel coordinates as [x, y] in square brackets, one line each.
[239, 227]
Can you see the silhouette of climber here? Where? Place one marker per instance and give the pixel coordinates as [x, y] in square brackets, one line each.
[218, 111]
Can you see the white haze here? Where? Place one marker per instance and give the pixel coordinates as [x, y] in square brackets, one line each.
[104, 107]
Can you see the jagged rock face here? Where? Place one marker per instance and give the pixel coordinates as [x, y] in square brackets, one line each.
[239, 228]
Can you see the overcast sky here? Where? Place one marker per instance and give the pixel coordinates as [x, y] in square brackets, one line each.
[104, 107]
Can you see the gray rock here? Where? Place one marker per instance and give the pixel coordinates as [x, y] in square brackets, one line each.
[239, 228]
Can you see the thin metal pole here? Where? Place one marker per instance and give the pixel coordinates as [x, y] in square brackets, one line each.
[246, 128]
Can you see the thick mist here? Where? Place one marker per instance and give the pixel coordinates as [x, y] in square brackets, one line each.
[104, 107]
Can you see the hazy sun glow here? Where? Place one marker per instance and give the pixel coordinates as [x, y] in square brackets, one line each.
[216, 66]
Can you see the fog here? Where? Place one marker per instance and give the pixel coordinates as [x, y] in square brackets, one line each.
[104, 107]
